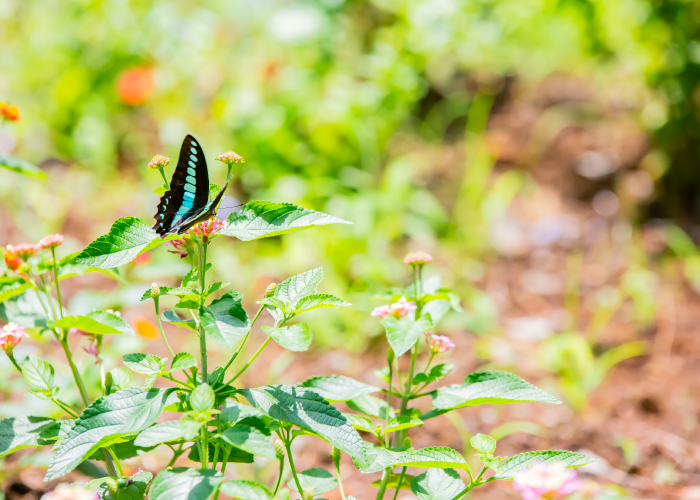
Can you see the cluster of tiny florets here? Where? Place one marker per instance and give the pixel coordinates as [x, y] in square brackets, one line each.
[10, 335]
[398, 309]
[229, 158]
[9, 112]
[417, 258]
[438, 343]
[159, 161]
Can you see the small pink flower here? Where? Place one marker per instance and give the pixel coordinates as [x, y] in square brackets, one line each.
[159, 161]
[23, 251]
[92, 351]
[71, 492]
[382, 311]
[10, 335]
[229, 158]
[398, 309]
[206, 229]
[179, 247]
[414, 258]
[547, 482]
[438, 343]
[50, 241]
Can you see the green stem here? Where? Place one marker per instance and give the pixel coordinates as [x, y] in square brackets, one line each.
[160, 169]
[55, 277]
[427, 367]
[385, 481]
[398, 485]
[176, 455]
[288, 445]
[279, 477]
[65, 408]
[240, 347]
[205, 446]
[473, 484]
[13, 360]
[223, 469]
[202, 335]
[340, 481]
[388, 398]
[257, 353]
[398, 437]
[156, 301]
[116, 461]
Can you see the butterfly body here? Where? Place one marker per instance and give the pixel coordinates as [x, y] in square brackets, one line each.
[187, 201]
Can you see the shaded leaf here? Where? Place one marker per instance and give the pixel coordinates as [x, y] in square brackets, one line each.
[369, 405]
[437, 484]
[492, 387]
[11, 286]
[171, 316]
[21, 166]
[295, 338]
[148, 364]
[160, 433]
[260, 219]
[183, 361]
[336, 388]
[251, 439]
[316, 480]
[403, 333]
[23, 432]
[231, 319]
[183, 483]
[435, 373]
[202, 398]
[245, 490]
[522, 462]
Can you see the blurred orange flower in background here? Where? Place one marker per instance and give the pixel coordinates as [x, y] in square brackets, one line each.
[145, 328]
[9, 112]
[135, 85]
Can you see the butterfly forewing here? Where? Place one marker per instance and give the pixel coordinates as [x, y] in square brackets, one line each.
[189, 191]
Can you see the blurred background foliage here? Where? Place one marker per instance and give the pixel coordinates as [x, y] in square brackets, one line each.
[383, 112]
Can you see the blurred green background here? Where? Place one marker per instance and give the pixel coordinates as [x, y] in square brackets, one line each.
[374, 111]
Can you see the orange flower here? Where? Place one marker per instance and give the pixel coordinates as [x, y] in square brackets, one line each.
[135, 85]
[12, 262]
[9, 112]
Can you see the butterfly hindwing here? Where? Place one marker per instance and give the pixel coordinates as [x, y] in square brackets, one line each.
[188, 195]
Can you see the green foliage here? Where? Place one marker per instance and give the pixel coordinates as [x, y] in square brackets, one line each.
[254, 439]
[11, 286]
[202, 399]
[160, 433]
[522, 462]
[403, 333]
[260, 219]
[245, 490]
[435, 373]
[308, 410]
[98, 322]
[226, 321]
[493, 387]
[40, 375]
[21, 167]
[378, 458]
[108, 420]
[24, 432]
[314, 481]
[184, 483]
[293, 338]
[336, 388]
[437, 484]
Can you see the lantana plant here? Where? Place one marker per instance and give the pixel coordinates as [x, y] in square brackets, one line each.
[217, 420]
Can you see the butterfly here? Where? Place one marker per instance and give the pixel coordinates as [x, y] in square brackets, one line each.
[187, 201]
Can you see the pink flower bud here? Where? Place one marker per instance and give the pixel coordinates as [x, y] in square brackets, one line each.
[10, 335]
[179, 247]
[229, 158]
[159, 161]
[23, 251]
[415, 258]
[438, 343]
[382, 311]
[92, 351]
[50, 241]
[543, 481]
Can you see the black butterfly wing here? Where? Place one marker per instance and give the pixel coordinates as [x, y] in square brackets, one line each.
[209, 211]
[189, 190]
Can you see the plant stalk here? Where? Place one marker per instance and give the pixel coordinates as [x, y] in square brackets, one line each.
[202, 334]
[156, 301]
[288, 445]
[55, 277]
[240, 347]
[250, 362]
[279, 477]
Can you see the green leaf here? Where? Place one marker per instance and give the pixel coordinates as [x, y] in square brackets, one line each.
[360, 422]
[98, 322]
[202, 398]
[403, 333]
[436, 373]
[523, 462]
[231, 319]
[148, 364]
[23, 432]
[445, 294]
[235, 455]
[402, 422]
[317, 301]
[394, 481]
[11, 286]
[160, 433]
[369, 405]
[308, 410]
[376, 459]
[437, 484]
[190, 301]
[245, 490]
[21, 167]
[485, 445]
[213, 189]
[110, 419]
[489, 387]
[183, 361]
[316, 480]
[136, 490]
[233, 412]
[252, 439]
[336, 388]
[171, 316]
[295, 338]
[191, 279]
[38, 373]
[294, 289]
[160, 190]
[121, 377]
[215, 287]
[260, 219]
[26, 310]
[127, 238]
[434, 457]
[183, 483]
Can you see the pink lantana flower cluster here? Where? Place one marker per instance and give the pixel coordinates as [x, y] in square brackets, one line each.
[10, 335]
[438, 343]
[417, 258]
[229, 158]
[398, 309]
[71, 492]
[206, 229]
[51, 241]
[24, 251]
[16, 255]
[179, 247]
[547, 482]
[159, 161]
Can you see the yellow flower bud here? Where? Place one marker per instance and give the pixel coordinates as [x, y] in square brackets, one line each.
[270, 290]
[155, 290]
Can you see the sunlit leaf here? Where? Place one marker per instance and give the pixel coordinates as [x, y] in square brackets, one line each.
[183, 483]
[21, 166]
[523, 462]
[294, 338]
[338, 387]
